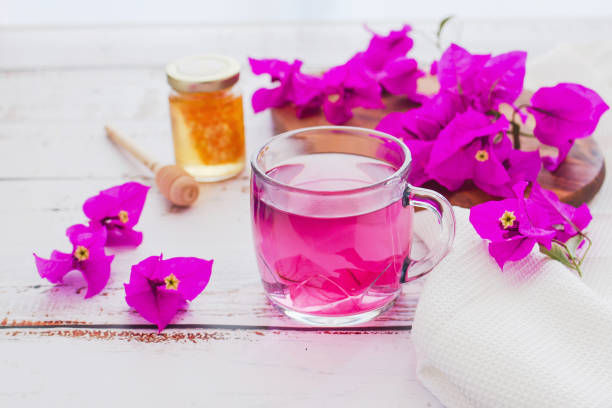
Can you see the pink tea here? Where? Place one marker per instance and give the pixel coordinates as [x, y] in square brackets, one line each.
[323, 255]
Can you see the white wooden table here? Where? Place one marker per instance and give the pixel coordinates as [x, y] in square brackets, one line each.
[58, 87]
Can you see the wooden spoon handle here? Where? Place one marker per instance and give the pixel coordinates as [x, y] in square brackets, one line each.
[131, 148]
[172, 180]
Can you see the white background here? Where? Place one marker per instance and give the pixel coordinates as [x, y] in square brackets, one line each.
[85, 12]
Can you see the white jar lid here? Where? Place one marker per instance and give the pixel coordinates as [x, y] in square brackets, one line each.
[203, 73]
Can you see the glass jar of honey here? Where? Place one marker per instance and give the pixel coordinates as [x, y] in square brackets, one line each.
[207, 117]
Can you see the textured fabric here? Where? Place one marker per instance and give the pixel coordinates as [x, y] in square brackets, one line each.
[535, 335]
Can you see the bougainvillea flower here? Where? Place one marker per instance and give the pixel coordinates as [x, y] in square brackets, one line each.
[159, 288]
[305, 91]
[520, 166]
[506, 225]
[307, 95]
[501, 79]
[399, 77]
[546, 211]
[420, 150]
[349, 86]
[393, 125]
[87, 256]
[465, 150]
[564, 113]
[484, 81]
[532, 220]
[496, 221]
[279, 71]
[419, 127]
[118, 210]
[513, 226]
[427, 121]
[523, 166]
[458, 70]
[383, 49]
[433, 68]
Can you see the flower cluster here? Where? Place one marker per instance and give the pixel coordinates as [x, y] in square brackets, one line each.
[157, 288]
[460, 135]
[112, 215]
[457, 135]
[357, 83]
[515, 225]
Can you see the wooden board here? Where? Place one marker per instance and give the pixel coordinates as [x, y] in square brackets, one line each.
[576, 181]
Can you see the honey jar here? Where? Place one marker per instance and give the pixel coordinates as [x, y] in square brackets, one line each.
[207, 116]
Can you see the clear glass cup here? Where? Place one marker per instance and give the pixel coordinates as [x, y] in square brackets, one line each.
[332, 223]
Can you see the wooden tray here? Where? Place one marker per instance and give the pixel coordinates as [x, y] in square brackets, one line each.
[576, 181]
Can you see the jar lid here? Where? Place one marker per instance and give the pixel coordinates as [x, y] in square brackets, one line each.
[203, 73]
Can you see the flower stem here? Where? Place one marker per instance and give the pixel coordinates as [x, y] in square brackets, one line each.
[586, 251]
[576, 264]
[515, 130]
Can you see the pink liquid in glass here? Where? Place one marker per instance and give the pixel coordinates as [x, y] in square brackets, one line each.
[326, 258]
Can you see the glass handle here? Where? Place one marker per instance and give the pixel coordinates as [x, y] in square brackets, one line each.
[436, 203]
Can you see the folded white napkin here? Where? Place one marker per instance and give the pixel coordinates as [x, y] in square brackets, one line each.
[535, 335]
[532, 336]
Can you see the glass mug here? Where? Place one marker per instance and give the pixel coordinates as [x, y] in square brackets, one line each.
[332, 223]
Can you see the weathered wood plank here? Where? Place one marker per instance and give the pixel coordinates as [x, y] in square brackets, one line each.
[51, 123]
[208, 367]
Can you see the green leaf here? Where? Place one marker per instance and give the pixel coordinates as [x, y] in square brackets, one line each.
[442, 24]
[440, 29]
[558, 253]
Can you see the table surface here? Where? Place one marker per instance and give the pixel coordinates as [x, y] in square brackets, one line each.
[58, 88]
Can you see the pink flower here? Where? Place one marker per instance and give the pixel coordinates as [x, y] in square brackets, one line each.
[349, 86]
[433, 68]
[87, 256]
[305, 91]
[520, 166]
[564, 113]
[484, 81]
[383, 49]
[546, 211]
[513, 226]
[158, 288]
[399, 77]
[419, 128]
[466, 150]
[279, 71]
[510, 232]
[357, 83]
[500, 223]
[118, 210]
[501, 79]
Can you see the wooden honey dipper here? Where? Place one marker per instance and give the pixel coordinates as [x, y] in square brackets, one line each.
[172, 180]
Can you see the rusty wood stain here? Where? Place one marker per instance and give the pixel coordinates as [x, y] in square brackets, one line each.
[21, 323]
[125, 335]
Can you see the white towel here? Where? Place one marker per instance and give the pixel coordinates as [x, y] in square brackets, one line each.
[532, 336]
[535, 335]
